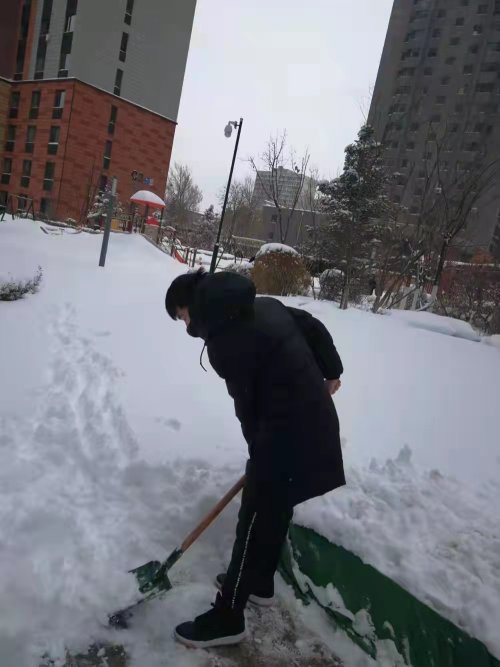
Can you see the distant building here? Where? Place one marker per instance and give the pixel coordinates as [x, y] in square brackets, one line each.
[265, 226]
[89, 89]
[285, 186]
[441, 66]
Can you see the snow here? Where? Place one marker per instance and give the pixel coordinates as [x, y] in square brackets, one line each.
[113, 442]
[149, 198]
[437, 323]
[275, 247]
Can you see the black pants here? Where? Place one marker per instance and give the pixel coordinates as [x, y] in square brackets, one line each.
[262, 527]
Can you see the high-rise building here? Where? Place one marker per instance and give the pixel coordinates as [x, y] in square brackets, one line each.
[439, 73]
[289, 187]
[88, 90]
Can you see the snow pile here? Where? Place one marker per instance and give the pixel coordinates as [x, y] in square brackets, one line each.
[437, 324]
[493, 340]
[113, 442]
[269, 248]
[425, 531]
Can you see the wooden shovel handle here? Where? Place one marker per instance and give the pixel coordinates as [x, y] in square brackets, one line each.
[213, 514]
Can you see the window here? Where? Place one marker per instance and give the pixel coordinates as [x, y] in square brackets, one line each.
[427, 71]
[488, 108]
[451, 60]
[30, 139]
[410, 146]
[432, 53]
[36, 97]
[471, 146]
[405, 163]
[59, 100]
[441, 13]
[128, 11]
[22, 201]
[406, 71]
[445, 80]
[435, 118]
[3, 198]
[460, 21]
[402, 90]
[414, 127]
[123, 47]
[477, 30]
[45, 206]
[485, 87]
[26, 175]
[112, 120]
[274, 218]
[421, 173]
[394, 144]
[48, 178]
[118, 81]
[440, 99]
[482, 9]
[15, 98]
[55, 133]
[494, 46]
[107, 154]
[490, 67]
[410, 53]
[437, 32]
[7, 170]
[474, 49]
[71, 9]
[64, 58]
[454, 41]
[43, 38]
[103, 183]
[11, 138]
[468, 69]
[459, 108]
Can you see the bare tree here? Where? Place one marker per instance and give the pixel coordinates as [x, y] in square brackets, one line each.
[446, 196]
[474, 296]
[273, 175]
[311, 200]
[182, 195]
[240, 209]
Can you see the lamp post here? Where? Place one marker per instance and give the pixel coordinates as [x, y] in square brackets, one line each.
[228, 130]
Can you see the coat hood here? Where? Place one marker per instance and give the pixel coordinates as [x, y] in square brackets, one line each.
[220, 298]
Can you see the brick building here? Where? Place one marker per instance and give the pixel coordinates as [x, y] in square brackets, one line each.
[80, 100]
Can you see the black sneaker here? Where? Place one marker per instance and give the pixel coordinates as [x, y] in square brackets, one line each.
[217, 627]
[264, 598]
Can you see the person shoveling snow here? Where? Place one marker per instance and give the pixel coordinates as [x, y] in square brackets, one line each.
[280, 366]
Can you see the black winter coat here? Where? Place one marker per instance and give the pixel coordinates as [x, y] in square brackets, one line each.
[274, 360]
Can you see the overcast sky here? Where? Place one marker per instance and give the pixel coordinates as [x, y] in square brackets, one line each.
[306, 67]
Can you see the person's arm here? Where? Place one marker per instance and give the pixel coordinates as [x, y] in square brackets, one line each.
[321, 343]
[233, 357]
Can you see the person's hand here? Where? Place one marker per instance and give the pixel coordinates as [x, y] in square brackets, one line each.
[333, 386]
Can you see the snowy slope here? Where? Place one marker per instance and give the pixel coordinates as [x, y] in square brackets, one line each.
[113, 441]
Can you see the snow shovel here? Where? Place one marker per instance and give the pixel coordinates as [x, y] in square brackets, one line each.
[153, 578]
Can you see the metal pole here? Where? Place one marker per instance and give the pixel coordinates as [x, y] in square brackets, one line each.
[215, 253]
[107, 226]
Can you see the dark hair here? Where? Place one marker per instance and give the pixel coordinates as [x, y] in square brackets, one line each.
[180, 294]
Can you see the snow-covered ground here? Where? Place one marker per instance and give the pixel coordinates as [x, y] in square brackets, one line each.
[113, 441]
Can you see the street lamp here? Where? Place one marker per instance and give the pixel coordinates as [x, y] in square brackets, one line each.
[228, 131]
